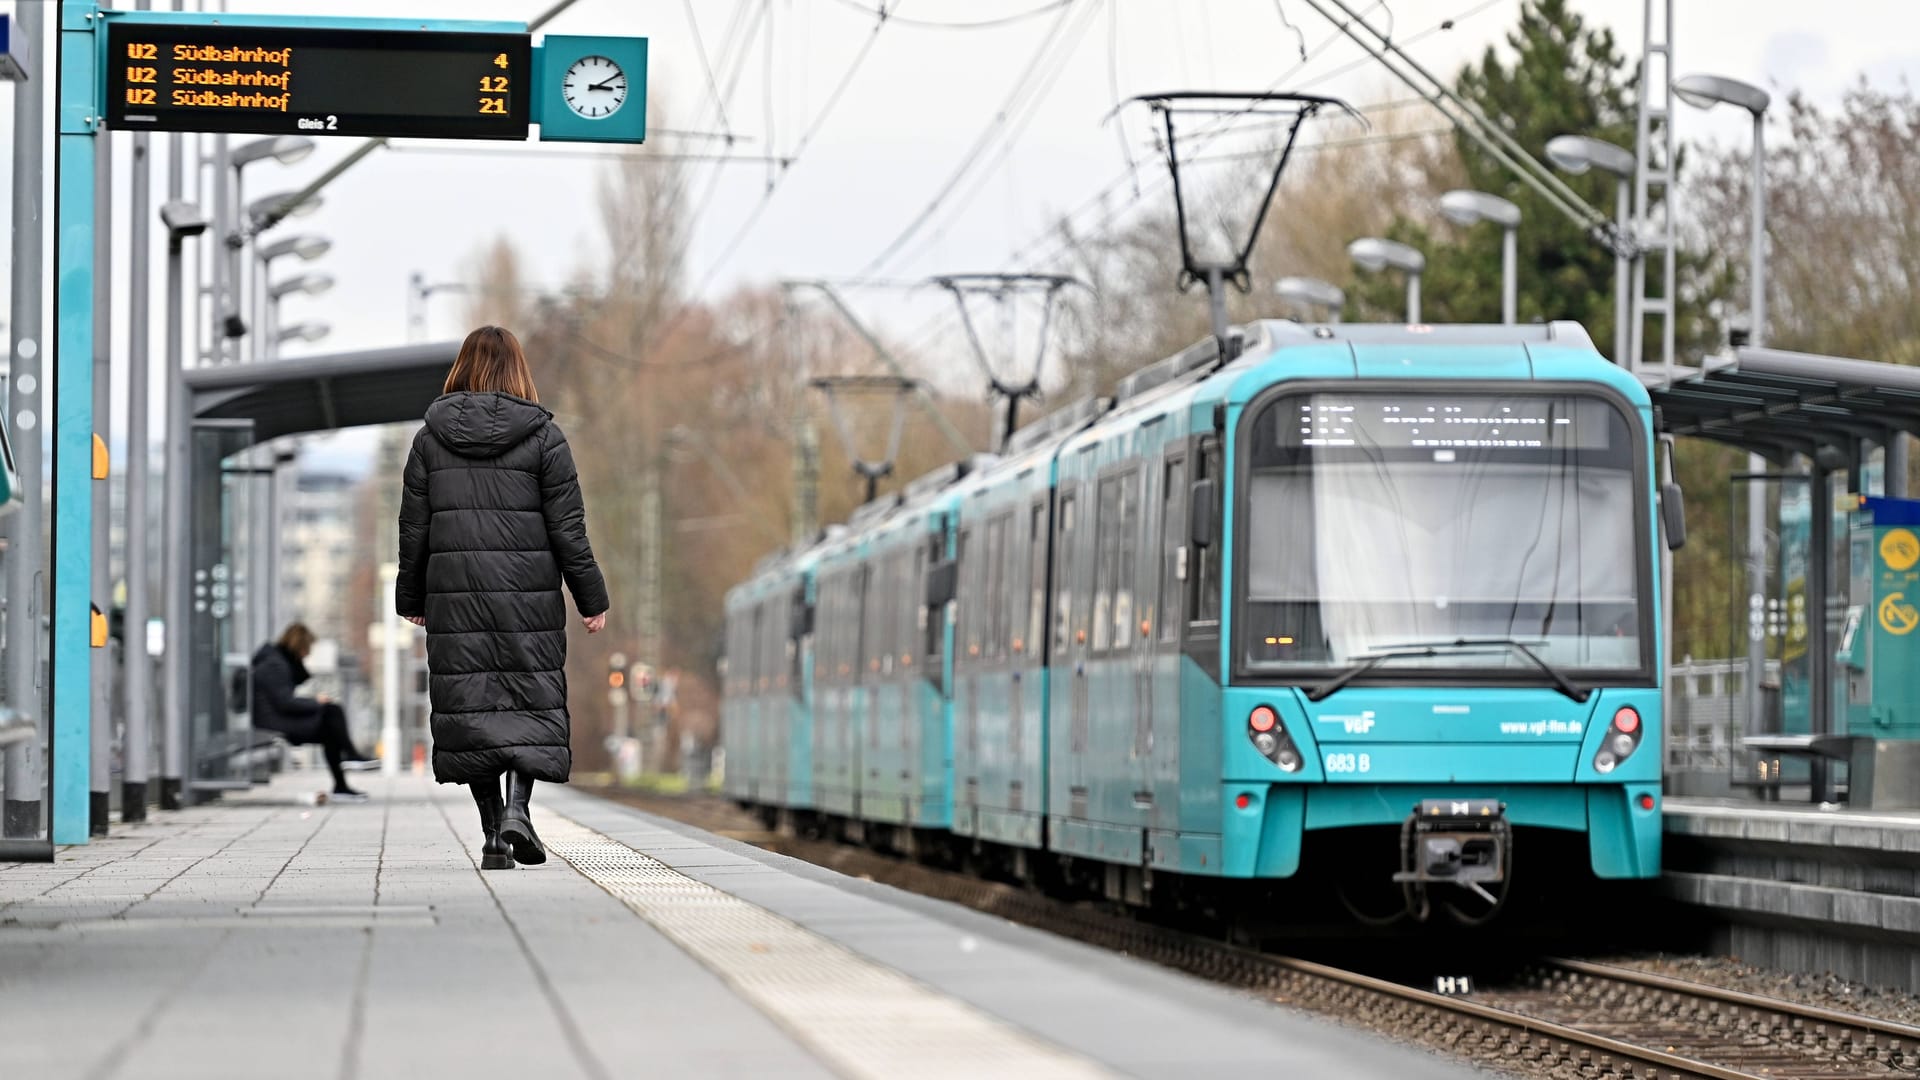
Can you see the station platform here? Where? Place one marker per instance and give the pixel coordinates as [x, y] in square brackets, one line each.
[1801, 888]
[262, 937]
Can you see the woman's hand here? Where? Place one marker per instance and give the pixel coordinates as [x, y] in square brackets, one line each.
[595, 623]
[417, 620]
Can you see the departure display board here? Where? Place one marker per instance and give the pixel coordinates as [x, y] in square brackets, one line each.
[299, 80]
[1420, 421]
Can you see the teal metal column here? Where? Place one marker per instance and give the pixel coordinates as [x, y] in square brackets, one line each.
[73, 420]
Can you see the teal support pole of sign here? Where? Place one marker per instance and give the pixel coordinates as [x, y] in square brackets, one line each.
[73, 421]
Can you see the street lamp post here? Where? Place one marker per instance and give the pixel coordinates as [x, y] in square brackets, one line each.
[1704, 92]
[285, 149]
[1464, 207]
[1311, 293]
[307, 249]
[183, 220]
[304, 285]
[1374, 254]
[1576, 154]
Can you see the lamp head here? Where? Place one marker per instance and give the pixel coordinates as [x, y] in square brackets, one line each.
[1375, 253]
[183, 219]
[1706, 91]
[306, 246]
[306, 331]
[286, 149]
[310, 284]
[281, 203]
[1578, 153]
[1306, 290]
[1464, 207]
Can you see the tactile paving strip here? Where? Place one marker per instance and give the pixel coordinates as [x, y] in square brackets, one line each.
[863, 1019]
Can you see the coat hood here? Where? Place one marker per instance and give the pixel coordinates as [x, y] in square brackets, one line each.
[484, 425]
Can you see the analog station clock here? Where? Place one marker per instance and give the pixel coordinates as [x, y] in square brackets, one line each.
[594, 87]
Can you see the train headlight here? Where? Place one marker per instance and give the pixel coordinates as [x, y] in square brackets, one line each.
[1622, 739]
[1270, 738]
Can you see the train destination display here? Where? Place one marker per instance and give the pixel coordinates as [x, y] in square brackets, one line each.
[299, 80]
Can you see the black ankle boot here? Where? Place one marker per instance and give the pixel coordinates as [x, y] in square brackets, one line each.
[494, 852]
[516, 825]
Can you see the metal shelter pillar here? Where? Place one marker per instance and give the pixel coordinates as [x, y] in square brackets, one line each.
[1817, 414]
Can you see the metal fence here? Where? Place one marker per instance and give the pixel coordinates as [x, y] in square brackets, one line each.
[1710, 714]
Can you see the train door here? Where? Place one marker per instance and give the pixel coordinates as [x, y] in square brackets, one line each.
[1072, 583]
[1026, 788]
[1167, 571]
[1121, 796]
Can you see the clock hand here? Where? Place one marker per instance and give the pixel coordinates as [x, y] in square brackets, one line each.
[607, 85]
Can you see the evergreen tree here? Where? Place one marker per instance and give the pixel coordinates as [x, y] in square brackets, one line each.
[1563, 78]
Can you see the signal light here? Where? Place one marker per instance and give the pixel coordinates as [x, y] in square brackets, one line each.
[616, 679]
[1626, 720]
[1263, 718]
[1646, 802]
[1243, 800]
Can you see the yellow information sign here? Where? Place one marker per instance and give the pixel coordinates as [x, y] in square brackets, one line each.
[1900, 549]
[1897, 616]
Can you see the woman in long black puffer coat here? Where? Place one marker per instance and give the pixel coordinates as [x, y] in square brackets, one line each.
[491, 523]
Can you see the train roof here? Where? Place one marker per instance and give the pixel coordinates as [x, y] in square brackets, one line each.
[1166, 384]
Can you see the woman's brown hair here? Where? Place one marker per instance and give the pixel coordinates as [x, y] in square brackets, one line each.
[490, 360]
[297, 639]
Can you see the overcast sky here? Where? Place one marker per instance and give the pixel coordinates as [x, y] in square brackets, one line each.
[912, 111]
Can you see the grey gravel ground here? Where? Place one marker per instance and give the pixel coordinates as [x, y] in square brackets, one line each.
[1827, 991]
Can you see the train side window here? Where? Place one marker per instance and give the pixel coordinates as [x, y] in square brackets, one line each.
[1173, 540]
[1126, 551]
[1203, 570]
[934, 620]
[1013, 628]
[995, 637]
[966, 600]
[1106, 539]
[906, 603]
[1063, 544]
[1036, 579]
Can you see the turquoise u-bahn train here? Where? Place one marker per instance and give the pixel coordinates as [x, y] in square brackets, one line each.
[1371, 607]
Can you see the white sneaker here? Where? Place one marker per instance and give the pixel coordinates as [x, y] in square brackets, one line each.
[367, 765]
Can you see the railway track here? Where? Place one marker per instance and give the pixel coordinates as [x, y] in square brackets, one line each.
[1558, 1019]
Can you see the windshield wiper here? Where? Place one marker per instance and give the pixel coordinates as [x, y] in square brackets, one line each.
[1579, 694]
[1364, 665]
[1367, 663]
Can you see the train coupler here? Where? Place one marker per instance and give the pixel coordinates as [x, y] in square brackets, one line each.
[1464, 842]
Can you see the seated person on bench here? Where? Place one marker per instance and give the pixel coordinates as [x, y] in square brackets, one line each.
[277, 669]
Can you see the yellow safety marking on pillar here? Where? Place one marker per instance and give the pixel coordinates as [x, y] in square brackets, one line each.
[99, 628]
[1900, 548]
[1897, 616]
[99, 457]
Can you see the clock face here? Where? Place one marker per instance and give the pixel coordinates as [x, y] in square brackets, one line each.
[594, 87]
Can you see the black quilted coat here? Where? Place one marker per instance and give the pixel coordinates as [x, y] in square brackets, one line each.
[490, 524]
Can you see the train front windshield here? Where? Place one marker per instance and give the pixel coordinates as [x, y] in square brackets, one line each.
[1410, 522]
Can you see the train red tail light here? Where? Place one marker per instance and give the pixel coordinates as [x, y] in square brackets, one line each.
[1621, 740]
[1646, 802]
[1270, 738]
[1243, 800]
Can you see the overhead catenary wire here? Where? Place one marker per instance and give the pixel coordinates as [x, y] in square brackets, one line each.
[793, 159]
[978, 24]
[981, 142]
[1002, 153]
[1054, 238]
[1466, 116]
